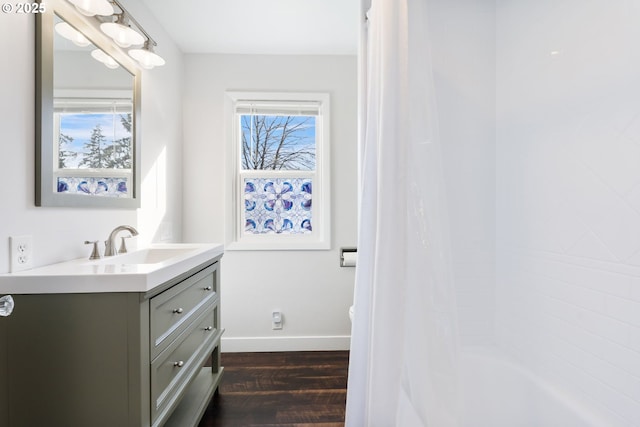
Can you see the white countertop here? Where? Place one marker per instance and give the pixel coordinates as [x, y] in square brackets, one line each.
[110, 274]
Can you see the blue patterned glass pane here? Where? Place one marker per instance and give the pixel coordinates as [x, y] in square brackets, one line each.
[279, 206]
[102, 187]
[278, 142]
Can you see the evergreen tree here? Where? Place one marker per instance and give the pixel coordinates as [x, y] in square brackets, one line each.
[65, 155]
[118, 155]
[94, 156]
[127, 122]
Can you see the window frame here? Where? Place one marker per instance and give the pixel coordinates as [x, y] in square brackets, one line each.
[319, 238]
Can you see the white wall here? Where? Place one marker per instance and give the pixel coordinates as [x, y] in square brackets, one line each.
[309, 287]
[59, 233]
[76, 69]
[463, 50]
[568, 194]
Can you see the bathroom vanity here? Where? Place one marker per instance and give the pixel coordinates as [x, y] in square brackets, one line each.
[130, 340]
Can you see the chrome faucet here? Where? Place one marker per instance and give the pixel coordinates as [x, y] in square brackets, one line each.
[110, 243]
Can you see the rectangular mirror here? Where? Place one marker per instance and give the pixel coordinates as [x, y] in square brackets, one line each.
[88, 114]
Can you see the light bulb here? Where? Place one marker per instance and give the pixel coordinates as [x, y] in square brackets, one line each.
[122, 35]
[70, 33]
[108, 61]
[146, 57]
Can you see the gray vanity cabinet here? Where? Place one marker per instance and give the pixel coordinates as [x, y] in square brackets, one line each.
[4, 389]
[113, 359]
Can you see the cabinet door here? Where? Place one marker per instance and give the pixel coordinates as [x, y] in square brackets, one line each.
[69, 361]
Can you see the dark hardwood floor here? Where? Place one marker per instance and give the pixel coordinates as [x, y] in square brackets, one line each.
[280, 389]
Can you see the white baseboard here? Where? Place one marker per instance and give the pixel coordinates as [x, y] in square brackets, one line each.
[258, 344]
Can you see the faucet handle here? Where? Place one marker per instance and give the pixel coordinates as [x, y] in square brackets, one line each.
[95, 254]
[123, 245]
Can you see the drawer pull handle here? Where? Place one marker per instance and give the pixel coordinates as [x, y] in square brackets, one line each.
[208, 288]
[179, 364]
[178, 310]
[209, 328]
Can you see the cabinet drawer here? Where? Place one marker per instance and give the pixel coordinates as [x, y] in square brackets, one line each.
[173, 310]
[172, 370]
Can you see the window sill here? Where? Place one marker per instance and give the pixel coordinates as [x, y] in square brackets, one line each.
[281, 244]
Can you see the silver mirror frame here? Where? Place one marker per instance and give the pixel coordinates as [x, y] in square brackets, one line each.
[44, 177]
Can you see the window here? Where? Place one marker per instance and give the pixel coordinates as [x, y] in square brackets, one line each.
[94, 155]
[279, 171]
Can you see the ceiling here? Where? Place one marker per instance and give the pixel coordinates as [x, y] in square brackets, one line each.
[292, 27]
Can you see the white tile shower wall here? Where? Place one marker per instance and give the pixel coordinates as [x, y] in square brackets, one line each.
[568, 197]
[463, 38]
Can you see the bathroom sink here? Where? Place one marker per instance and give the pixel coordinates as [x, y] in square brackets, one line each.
[146, 256]
[137, 271]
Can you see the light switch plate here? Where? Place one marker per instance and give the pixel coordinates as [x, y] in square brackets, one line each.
[276, 320]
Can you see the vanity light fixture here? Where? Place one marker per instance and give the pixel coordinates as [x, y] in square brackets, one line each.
[146, 57]
[93, 7]
[125, 31]
[109, 62]
[121, 32]
[70, 33]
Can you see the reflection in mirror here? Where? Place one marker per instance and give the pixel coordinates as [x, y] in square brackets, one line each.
[92, 118]
[88, 104]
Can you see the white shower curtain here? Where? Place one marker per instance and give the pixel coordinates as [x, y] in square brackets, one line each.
[403, 364]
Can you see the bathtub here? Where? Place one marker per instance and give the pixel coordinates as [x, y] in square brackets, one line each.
[497, 392]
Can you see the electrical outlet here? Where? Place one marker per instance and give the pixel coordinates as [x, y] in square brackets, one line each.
[21, 252]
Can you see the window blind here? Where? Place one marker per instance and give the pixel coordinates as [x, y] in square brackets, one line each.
[94, 105]
[273, 108]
